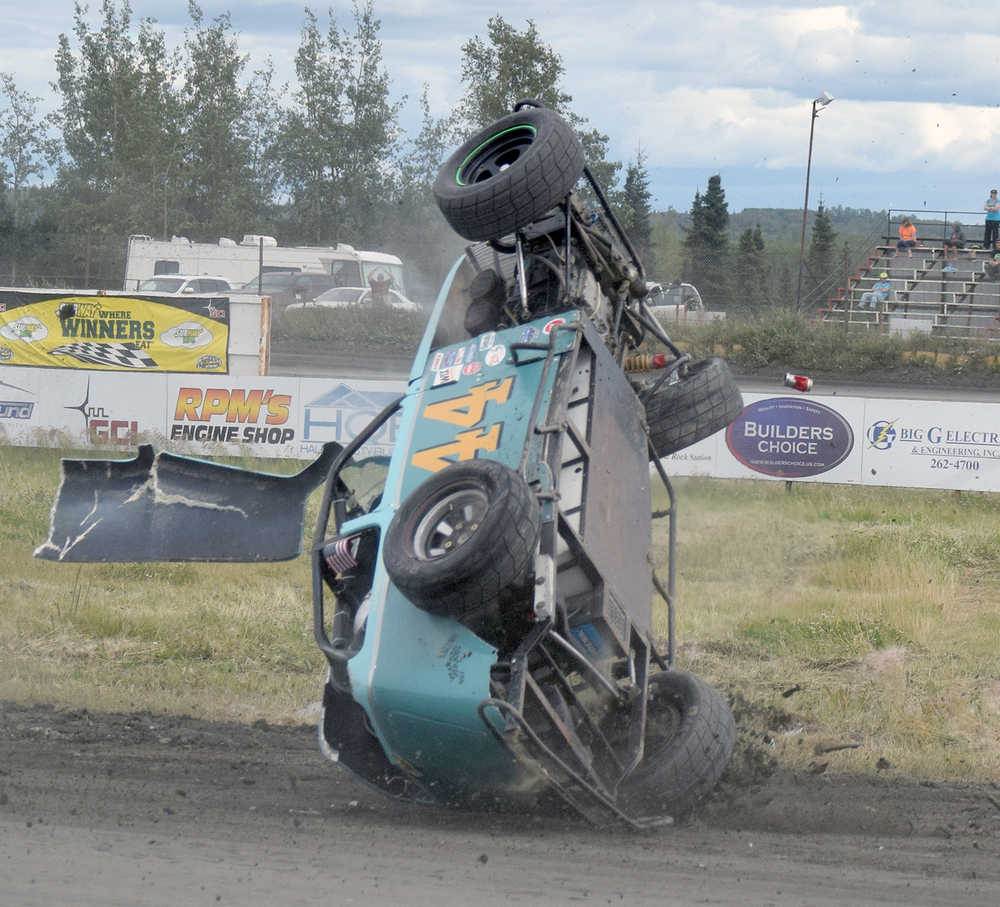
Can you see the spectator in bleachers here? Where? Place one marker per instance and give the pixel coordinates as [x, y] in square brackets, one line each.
[992, 268]
[878, 294]
[952, 244]
[907, 237]
[992, 209]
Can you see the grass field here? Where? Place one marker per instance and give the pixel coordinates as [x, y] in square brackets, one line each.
[867, 619]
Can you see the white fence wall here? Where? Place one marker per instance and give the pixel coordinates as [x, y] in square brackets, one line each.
[853, 440]
[187, 413]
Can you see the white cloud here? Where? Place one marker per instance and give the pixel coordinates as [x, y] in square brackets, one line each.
[699, 85]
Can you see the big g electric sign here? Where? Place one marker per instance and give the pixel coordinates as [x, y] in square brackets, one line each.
[789, 437]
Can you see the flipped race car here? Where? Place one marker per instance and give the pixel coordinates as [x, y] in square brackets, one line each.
[484, 597]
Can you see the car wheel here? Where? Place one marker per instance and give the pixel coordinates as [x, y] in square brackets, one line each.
[689, 739]
[703, 400]
[462, 537]
[509, 174]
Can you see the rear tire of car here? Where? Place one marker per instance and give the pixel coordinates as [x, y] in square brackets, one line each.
[509, 174]
[462, 538]
[690, 734]
[704, 400]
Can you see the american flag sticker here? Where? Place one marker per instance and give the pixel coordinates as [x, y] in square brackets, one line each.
[338, 554]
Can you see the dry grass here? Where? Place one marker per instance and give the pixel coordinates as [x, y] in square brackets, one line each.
[213, 640]
[882, 606]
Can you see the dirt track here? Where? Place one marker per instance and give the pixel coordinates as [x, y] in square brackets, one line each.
[143, 809]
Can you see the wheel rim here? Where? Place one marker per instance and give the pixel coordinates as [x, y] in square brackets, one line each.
[449, 523]
[495, 155]
[663, 721]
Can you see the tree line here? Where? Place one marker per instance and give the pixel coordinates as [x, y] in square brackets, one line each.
[193, 140]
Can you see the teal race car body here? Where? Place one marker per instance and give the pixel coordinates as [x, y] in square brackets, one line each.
[484, 596]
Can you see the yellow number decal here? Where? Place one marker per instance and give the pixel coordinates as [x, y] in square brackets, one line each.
[468, 409]
[464, 447]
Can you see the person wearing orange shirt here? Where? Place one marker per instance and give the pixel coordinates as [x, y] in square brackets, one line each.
[907, 237]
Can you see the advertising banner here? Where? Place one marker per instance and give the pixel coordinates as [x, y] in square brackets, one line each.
[925, 444]
[21, 416]
[802, 438]
[114, 333]
[337, 410]
[81, 409]
[233, 416]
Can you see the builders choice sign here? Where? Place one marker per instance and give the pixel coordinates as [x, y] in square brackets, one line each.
[790, 437]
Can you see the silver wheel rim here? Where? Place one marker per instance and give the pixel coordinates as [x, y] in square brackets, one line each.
[449, 523]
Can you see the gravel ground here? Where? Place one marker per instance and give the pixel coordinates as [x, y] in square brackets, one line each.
[149, 809]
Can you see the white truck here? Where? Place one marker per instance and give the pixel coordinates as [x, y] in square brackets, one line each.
[241, 262]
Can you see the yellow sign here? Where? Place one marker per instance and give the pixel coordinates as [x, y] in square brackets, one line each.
[117, 333]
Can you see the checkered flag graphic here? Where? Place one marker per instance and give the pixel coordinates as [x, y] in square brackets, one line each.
[113, 355]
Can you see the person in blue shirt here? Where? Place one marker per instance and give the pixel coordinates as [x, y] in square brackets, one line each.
[992, 209]
[878, 294]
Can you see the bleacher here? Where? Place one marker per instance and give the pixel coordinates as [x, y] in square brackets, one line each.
[925, 298]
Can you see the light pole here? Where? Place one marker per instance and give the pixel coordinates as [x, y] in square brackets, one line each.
[819, 103]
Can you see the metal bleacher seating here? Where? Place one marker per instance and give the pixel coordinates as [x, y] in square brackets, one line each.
[925, 298]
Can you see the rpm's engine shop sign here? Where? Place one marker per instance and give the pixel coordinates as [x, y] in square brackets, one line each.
[116, 333]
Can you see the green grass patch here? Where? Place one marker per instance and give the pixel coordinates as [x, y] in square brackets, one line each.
[878, 607]
[778, 338]
[364, 327]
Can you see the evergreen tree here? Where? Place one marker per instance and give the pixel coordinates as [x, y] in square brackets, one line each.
[666, 254]
[751, 273]
[785, 294]
[706, 245]
[820, 266]
[636, 212]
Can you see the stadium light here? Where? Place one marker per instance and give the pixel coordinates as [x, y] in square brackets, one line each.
[817, 105]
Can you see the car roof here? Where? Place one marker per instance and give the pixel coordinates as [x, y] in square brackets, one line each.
[185, 277]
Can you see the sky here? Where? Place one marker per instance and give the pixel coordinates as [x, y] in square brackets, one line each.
[700, 87]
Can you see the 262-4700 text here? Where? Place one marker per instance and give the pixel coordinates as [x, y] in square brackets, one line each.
[964, 465]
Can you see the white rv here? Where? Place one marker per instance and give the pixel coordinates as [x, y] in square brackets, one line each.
[241, 262]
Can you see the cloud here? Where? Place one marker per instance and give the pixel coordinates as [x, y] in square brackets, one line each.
[698, 85]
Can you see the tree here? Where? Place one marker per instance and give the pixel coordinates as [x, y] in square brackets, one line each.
[372, 133]
[706, 245]
[506, 67]
[120, 120]
[26, 151]
[217, 183]
[820, 274]
[635, 206]
[784, 296]
[751, 272]
[509, 66]
[340, 137]
[432, 249]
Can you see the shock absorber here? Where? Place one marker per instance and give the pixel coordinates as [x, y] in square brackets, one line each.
[644, 362]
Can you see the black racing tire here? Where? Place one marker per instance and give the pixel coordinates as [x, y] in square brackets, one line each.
[462, 537]
[704, 400]
[690, 734]
[509, 174]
